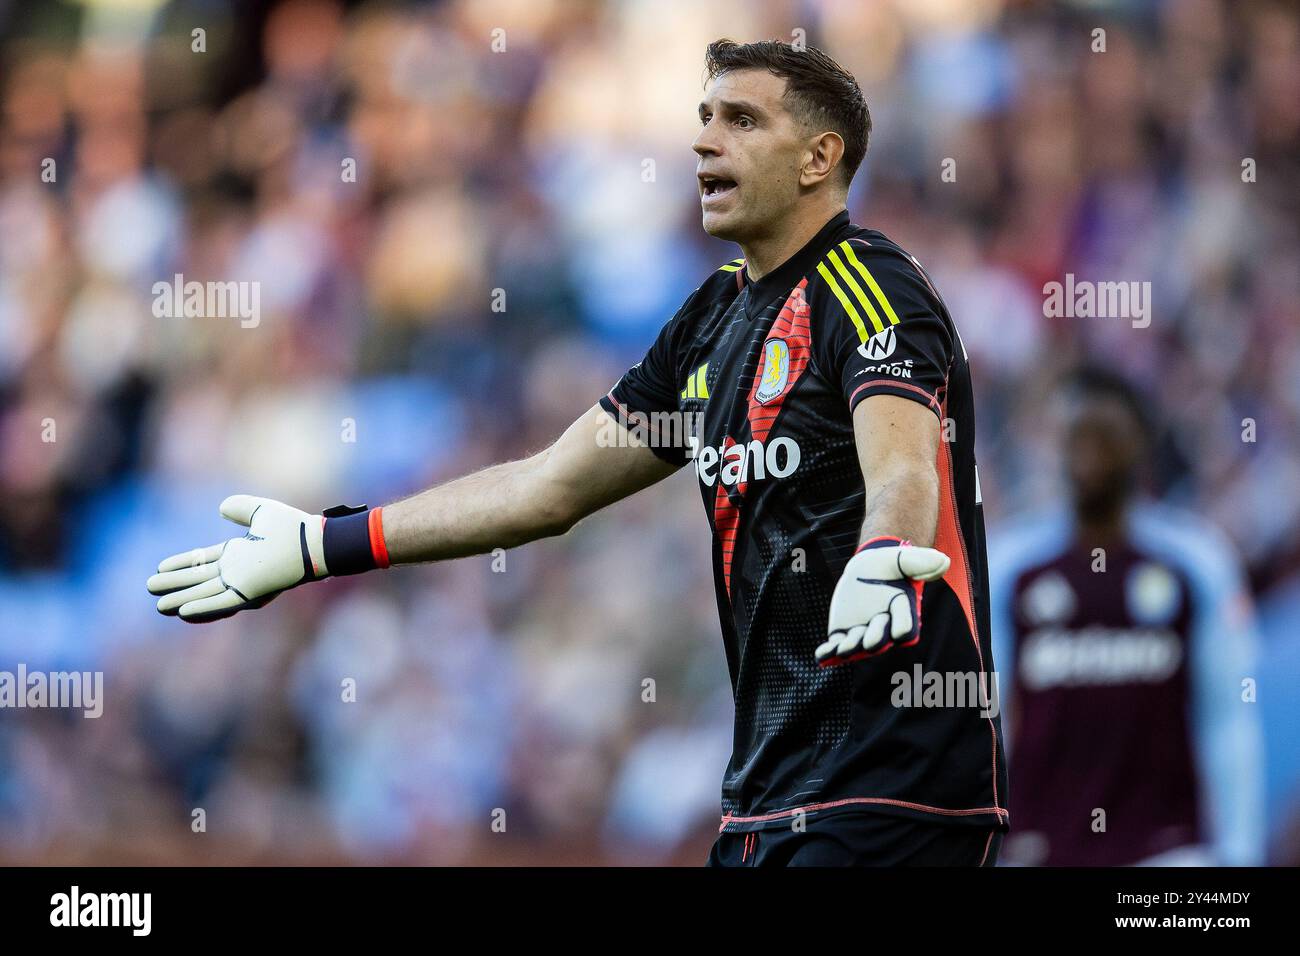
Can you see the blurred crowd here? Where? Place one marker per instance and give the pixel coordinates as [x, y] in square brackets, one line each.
[467, 219]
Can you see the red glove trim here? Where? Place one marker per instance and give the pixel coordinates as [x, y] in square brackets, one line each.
[883, 541]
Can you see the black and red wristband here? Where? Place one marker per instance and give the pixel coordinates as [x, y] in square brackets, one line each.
[353, 539]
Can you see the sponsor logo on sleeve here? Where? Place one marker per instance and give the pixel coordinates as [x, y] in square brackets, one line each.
[880, 346]
[901, 369]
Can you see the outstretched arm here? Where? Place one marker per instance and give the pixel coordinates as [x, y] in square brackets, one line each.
[520, 501]
[500, 507]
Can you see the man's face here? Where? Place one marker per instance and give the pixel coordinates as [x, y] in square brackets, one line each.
[1103, 449]
[751, 152]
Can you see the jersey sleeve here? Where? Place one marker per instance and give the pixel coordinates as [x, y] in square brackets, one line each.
[1226, 732]
[1228, 737]
[879, 327]
[649, 390]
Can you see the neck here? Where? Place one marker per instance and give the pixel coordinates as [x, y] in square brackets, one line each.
[765, 253]
[1101, 526]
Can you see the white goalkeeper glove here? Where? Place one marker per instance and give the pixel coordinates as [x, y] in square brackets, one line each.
[877, 602]
[283, 547]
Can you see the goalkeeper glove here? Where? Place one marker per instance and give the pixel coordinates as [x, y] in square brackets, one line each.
[877, 602]
[283, 548]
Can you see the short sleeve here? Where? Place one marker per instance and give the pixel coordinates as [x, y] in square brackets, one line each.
[879, 328]
[649, 390]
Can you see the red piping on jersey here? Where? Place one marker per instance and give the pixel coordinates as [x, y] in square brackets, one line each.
[987, 843]
[934, 403]
[621, 407]
[853, 801]
[626, 412]
[949, 539]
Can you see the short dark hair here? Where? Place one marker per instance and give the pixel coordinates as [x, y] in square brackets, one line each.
[824, 94]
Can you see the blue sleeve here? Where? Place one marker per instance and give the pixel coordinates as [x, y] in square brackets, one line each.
[1225, 722]
[1003, 570]
[1225, 718]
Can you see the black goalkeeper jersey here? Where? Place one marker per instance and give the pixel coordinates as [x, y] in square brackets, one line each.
[754, 384]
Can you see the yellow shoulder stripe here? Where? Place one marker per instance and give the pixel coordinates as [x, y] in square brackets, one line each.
[735, 265]
[871, 282]
[852, 283]
[844, 300]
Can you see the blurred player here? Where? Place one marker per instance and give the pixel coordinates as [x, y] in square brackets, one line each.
[1123, 632]
[809, 383]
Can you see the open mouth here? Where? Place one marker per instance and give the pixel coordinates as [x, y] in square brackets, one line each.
[713, 186]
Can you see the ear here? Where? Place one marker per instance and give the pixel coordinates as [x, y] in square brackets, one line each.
[823, 154]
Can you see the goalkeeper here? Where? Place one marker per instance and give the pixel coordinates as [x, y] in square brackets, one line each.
[832, 436]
